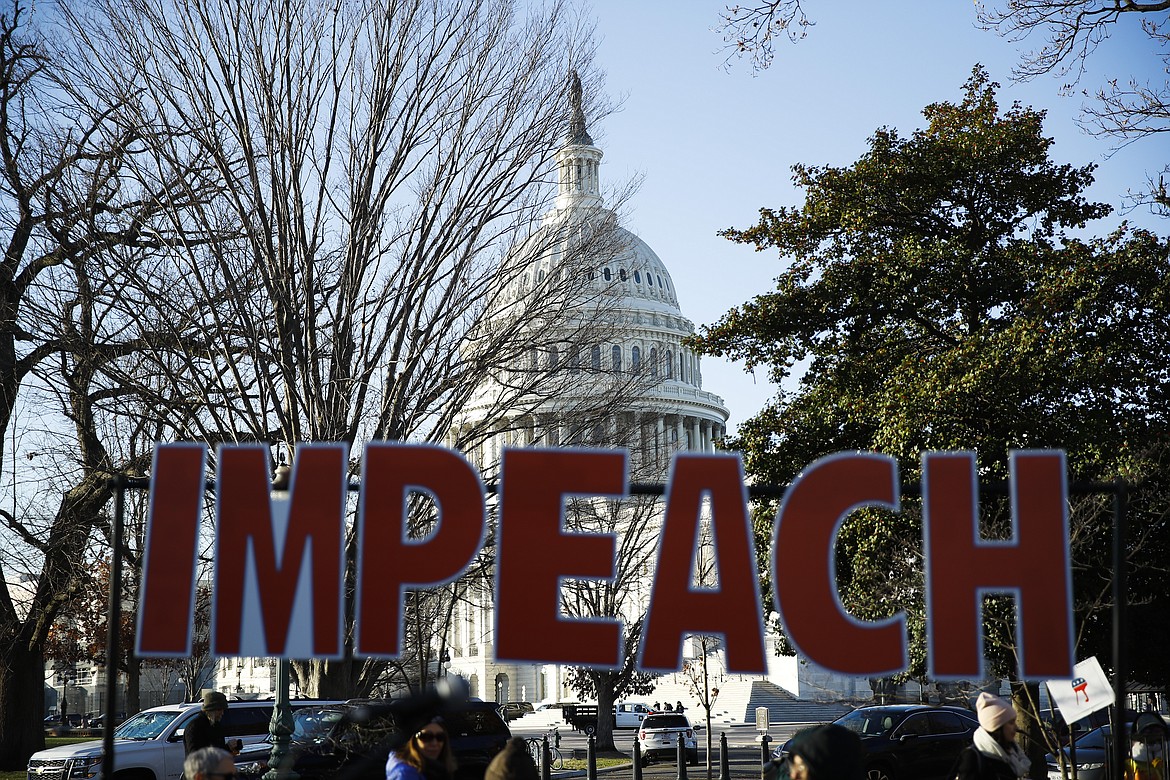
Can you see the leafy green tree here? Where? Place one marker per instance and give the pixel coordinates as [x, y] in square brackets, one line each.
[934, 300]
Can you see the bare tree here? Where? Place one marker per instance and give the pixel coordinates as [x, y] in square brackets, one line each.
[635, 522]
[752, 31]
[1125, 107]
[373, 165]
[697, 674]
[69, 203]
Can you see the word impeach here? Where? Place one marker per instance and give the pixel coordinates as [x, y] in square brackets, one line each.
[280, 565]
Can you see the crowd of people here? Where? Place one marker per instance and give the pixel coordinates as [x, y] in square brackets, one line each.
[826, 752]
[424, 755]
[833, 752]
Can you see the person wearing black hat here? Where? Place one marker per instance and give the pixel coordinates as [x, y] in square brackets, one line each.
[206, 728]
[828, 752]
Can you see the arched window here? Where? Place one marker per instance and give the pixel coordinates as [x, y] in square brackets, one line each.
[540, 276]
[595, 361]
[574, 358]
[622, 274]
[617, 358]
[669, 365]
[638, 276]
[607, 274]
[654, 362]
[635, 360]
[554, 357]
[533, 359]
[682, 367]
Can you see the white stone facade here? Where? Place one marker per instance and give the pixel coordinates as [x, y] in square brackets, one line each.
[663, 411]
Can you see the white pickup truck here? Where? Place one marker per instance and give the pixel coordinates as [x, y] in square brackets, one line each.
[149, 745]
[630, 714]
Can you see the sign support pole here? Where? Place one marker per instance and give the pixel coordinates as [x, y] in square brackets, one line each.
[1120, 673]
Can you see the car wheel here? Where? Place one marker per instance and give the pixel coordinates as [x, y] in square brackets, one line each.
[645, 759]
[878, 772]
[693, 758]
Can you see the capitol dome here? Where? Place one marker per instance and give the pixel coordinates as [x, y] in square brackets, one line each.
[588, 336]
[615, 371]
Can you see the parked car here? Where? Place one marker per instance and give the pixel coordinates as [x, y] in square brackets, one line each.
[552, 705]
[907, 741]
[72, 720]
[658, 737]
[99, 720]
[511, 710]
[149, 745]
[352, 741]
[1054, 723]
[1094, 751]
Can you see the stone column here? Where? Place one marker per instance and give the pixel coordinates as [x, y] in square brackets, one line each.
[637, 444]
[660, 454]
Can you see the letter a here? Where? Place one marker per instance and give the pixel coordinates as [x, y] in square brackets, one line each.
[730, 606]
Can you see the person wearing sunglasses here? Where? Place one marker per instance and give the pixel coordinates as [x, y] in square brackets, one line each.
[209, 763]
[425, 756]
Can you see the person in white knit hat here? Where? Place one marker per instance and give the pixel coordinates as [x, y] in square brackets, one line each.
[993, 754]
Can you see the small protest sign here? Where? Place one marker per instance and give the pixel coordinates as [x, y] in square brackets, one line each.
[1083, 694]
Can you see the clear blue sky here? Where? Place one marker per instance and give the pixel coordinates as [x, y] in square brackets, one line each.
[715, 144]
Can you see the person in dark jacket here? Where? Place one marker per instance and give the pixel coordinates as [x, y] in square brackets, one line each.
[993, 754]
[513, 763]
[827, 752]
[206, 728]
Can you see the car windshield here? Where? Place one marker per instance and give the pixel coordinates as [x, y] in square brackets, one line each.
[666, 722]
[869, 723]
[314, 725]
[474, 721]
[1094, 739]
[146, 725]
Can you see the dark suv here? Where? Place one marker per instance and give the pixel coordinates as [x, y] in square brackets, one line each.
[908, 741]
[515, 709]
[352, 741]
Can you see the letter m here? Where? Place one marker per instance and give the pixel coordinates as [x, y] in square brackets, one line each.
[279, 563]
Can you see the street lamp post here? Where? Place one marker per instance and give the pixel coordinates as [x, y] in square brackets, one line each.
[281, 726]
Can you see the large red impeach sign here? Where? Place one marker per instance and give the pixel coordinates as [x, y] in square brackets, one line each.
[279, 565]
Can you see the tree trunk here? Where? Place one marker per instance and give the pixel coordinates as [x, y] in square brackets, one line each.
[605, 705]
[707, 722]
[345, 678]
[22, 704]
[1025, 698]
[133, 689]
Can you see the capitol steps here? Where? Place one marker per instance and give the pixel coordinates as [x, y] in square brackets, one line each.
[783, 707]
